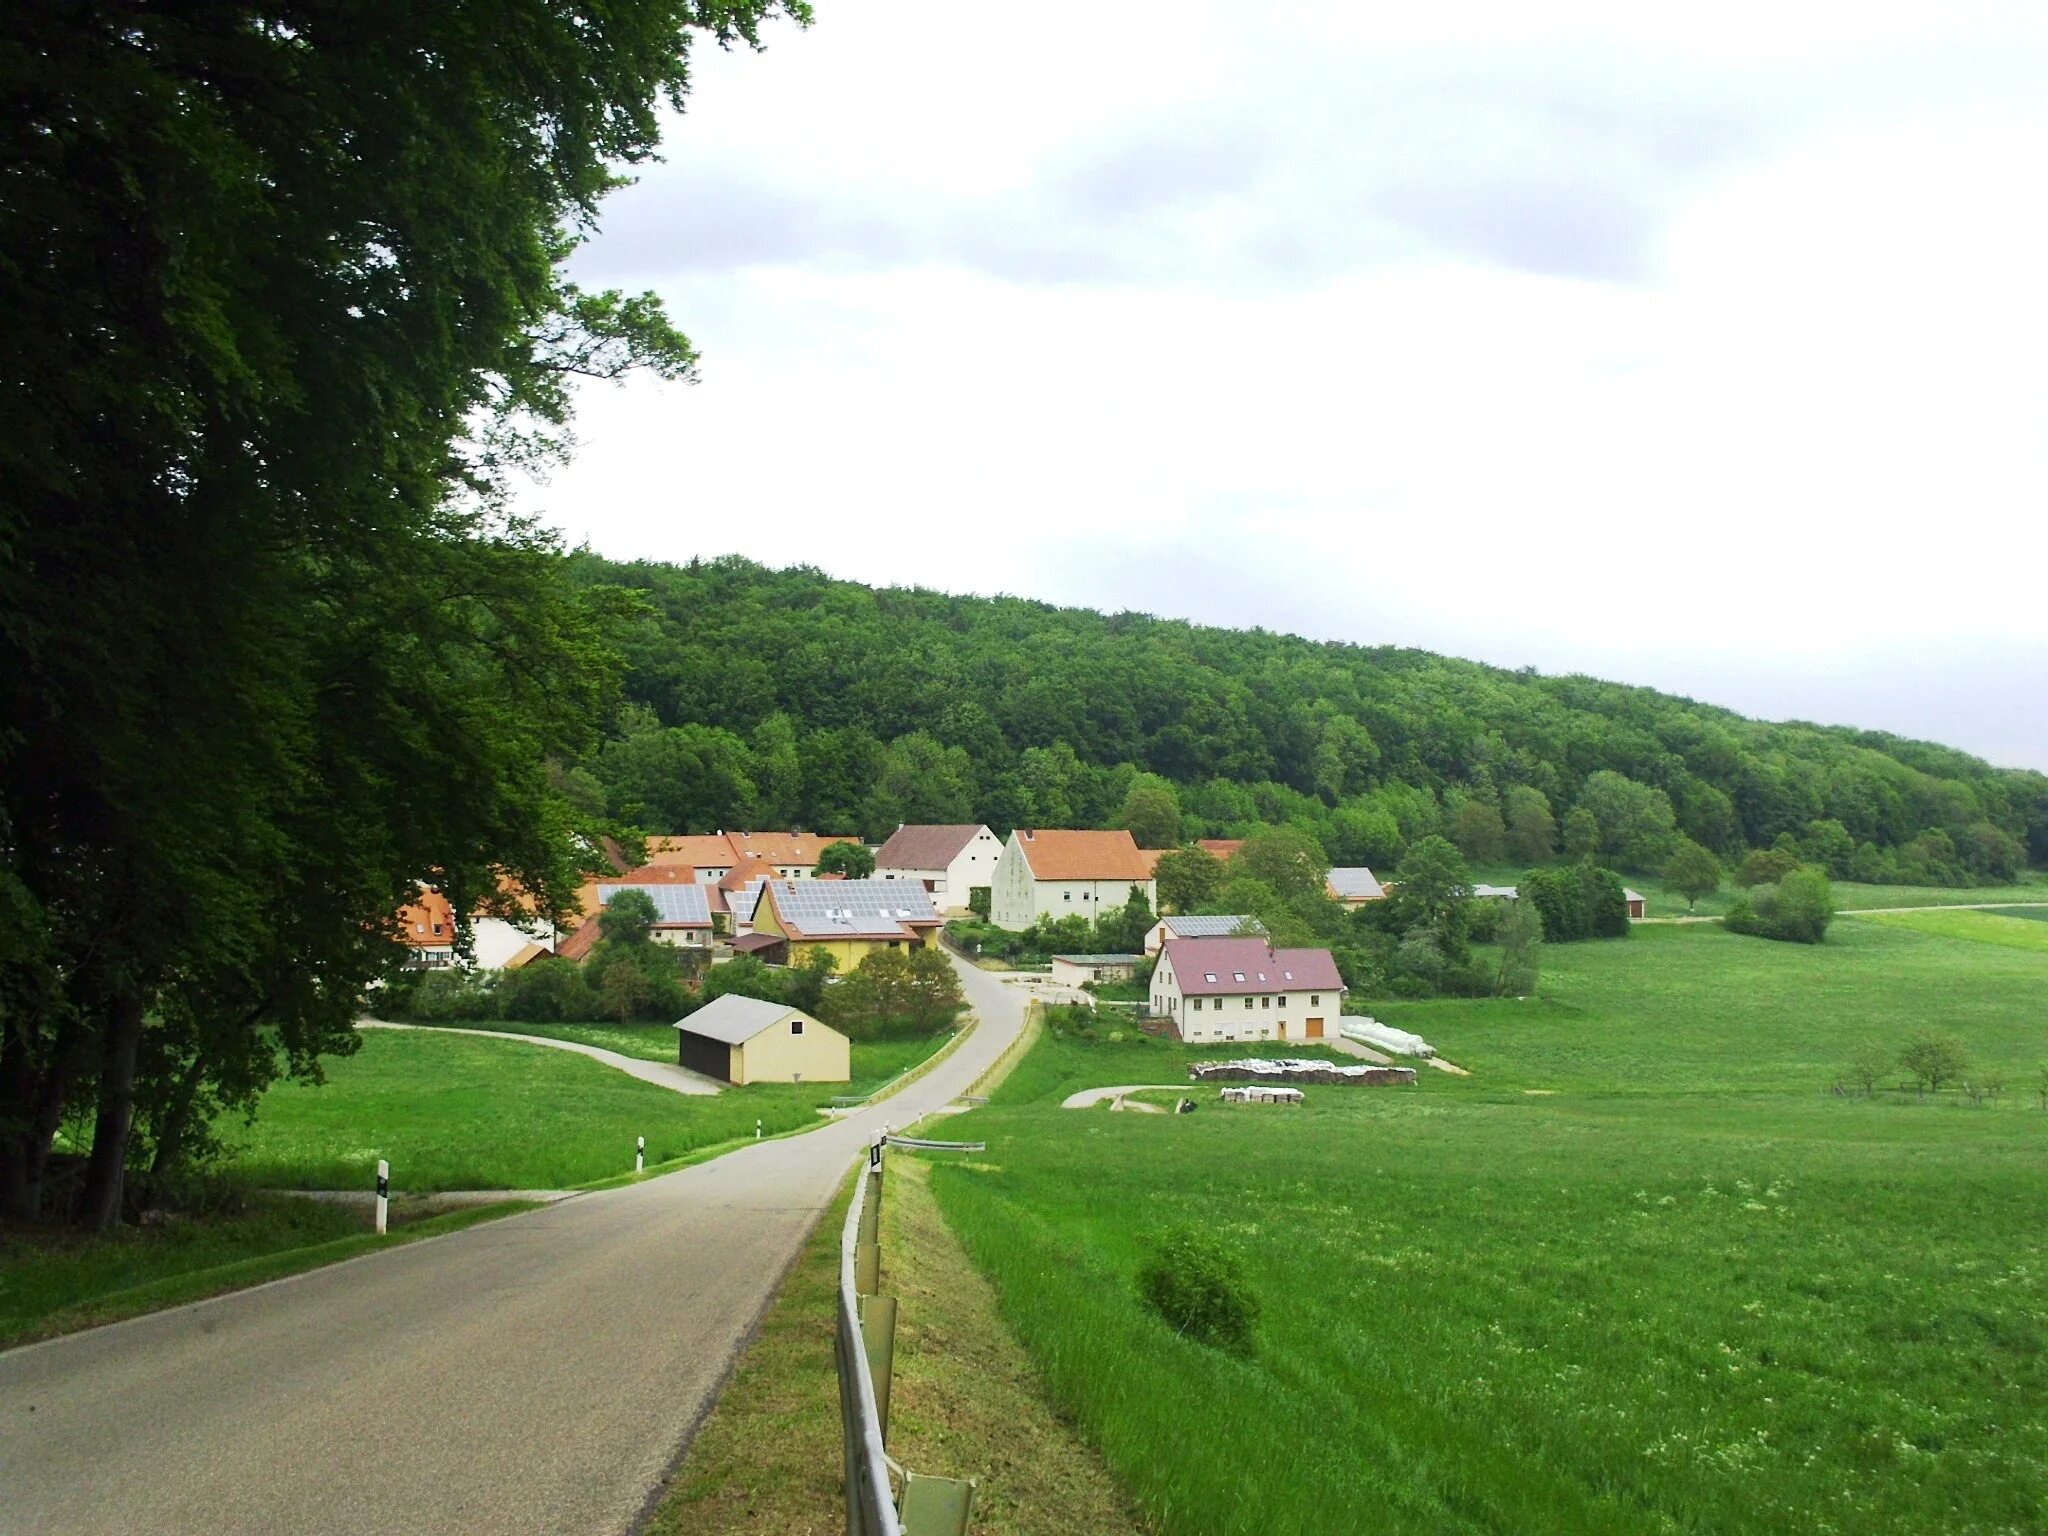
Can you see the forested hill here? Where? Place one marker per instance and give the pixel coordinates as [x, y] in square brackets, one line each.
[773, 698]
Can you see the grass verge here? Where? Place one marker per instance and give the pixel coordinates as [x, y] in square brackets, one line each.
[60, 1283]
[767, 1459]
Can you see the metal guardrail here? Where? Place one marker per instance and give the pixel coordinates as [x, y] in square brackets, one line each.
[864, 1347]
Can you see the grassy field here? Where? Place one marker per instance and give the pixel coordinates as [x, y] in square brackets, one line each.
[2013, 931]
[1642, 1272]
[1659, 902]
[57, 1282]
[455, 1113]
[644, 1042]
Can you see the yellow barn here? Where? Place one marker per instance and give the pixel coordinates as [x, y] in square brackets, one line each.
[743, 1040]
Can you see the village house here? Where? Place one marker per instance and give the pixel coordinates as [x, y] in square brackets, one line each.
[1188, 927]
[1353, 885]
[1063, 874]
[682, 912]
[947, 861]
[1080, 970]
[713, 856]
[1637, 907]
[848, 919]
[743, 1040]
[427, 930]
[1244, 989]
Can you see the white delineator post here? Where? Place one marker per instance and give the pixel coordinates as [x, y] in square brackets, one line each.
[383, 1193]
[757, 1130]
[640, 1156]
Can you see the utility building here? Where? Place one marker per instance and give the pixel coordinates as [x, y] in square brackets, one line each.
[745, 1040]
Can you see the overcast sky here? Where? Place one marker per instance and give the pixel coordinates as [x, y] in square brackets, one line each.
[1705, 352]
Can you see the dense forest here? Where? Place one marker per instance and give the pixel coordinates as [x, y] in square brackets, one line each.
[763, 697]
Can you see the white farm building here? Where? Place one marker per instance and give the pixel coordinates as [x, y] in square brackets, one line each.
[1244, 989]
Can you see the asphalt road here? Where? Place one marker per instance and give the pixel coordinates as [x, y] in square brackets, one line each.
[536, 1374]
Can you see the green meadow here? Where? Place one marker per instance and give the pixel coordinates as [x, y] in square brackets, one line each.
[1643, 1271]
[450, 1112]
[1659, 901]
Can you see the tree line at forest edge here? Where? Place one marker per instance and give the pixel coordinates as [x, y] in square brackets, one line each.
[758, 697]
[272, 649]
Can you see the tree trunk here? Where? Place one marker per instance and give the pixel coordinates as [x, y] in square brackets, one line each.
[170, 1136]
[34, 1101]
[107, 1172]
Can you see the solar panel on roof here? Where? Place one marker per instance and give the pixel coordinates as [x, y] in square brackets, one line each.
[685, 904]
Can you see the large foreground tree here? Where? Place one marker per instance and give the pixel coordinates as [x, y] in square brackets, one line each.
[285, 300]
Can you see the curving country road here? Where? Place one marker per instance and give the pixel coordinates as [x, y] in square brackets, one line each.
[536, 1374]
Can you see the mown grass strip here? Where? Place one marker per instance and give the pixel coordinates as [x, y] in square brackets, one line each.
[2008, 931]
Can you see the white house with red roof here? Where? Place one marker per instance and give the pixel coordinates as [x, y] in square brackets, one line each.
[947, 861]
[1245, 989]
[1066, 874]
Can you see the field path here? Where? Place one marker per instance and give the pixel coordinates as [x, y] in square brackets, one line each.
[660, 1073]
[536, 1374]
[1092, 1096]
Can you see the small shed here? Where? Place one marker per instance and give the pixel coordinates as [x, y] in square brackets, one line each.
[1074, 970]
[746, 1040]
[1636, 905]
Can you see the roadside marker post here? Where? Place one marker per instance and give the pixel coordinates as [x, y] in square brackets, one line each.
[640, 1155]
[757, 1130]
[383, 1193]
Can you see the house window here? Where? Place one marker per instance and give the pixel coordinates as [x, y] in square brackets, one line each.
[796, 1026]
[1247, 1004]
[1265, 1002]
[1283, 999]
[1066, 895]
[1315, 999]
[1198, 1005]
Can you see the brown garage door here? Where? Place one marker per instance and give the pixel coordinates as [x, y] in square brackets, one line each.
[1315, 1029]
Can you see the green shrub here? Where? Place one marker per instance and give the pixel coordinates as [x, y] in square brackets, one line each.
[1197, 1287]
[1797, 910]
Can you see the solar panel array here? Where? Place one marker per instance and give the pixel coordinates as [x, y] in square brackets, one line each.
[852, 908]
[741, 903]
[1211, 927]
[672, 903]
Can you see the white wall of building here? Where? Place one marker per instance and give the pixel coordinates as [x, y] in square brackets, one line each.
[1245, 1016]
[974, 864]
[1016, 900]
[497, 940]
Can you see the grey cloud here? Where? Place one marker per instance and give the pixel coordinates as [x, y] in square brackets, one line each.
[1559, 162]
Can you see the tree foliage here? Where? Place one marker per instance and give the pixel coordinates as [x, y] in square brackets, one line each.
[270, 651]
[855, 861]
[1796, 910]
[1692, 871]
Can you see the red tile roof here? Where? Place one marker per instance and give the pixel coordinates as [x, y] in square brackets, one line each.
[1065, 855]
[743, 874]
[784, 848]
[710, 851]
[924, 847]
[582, 941]
[428, 922]
[1221, 847]
[1263, 968]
